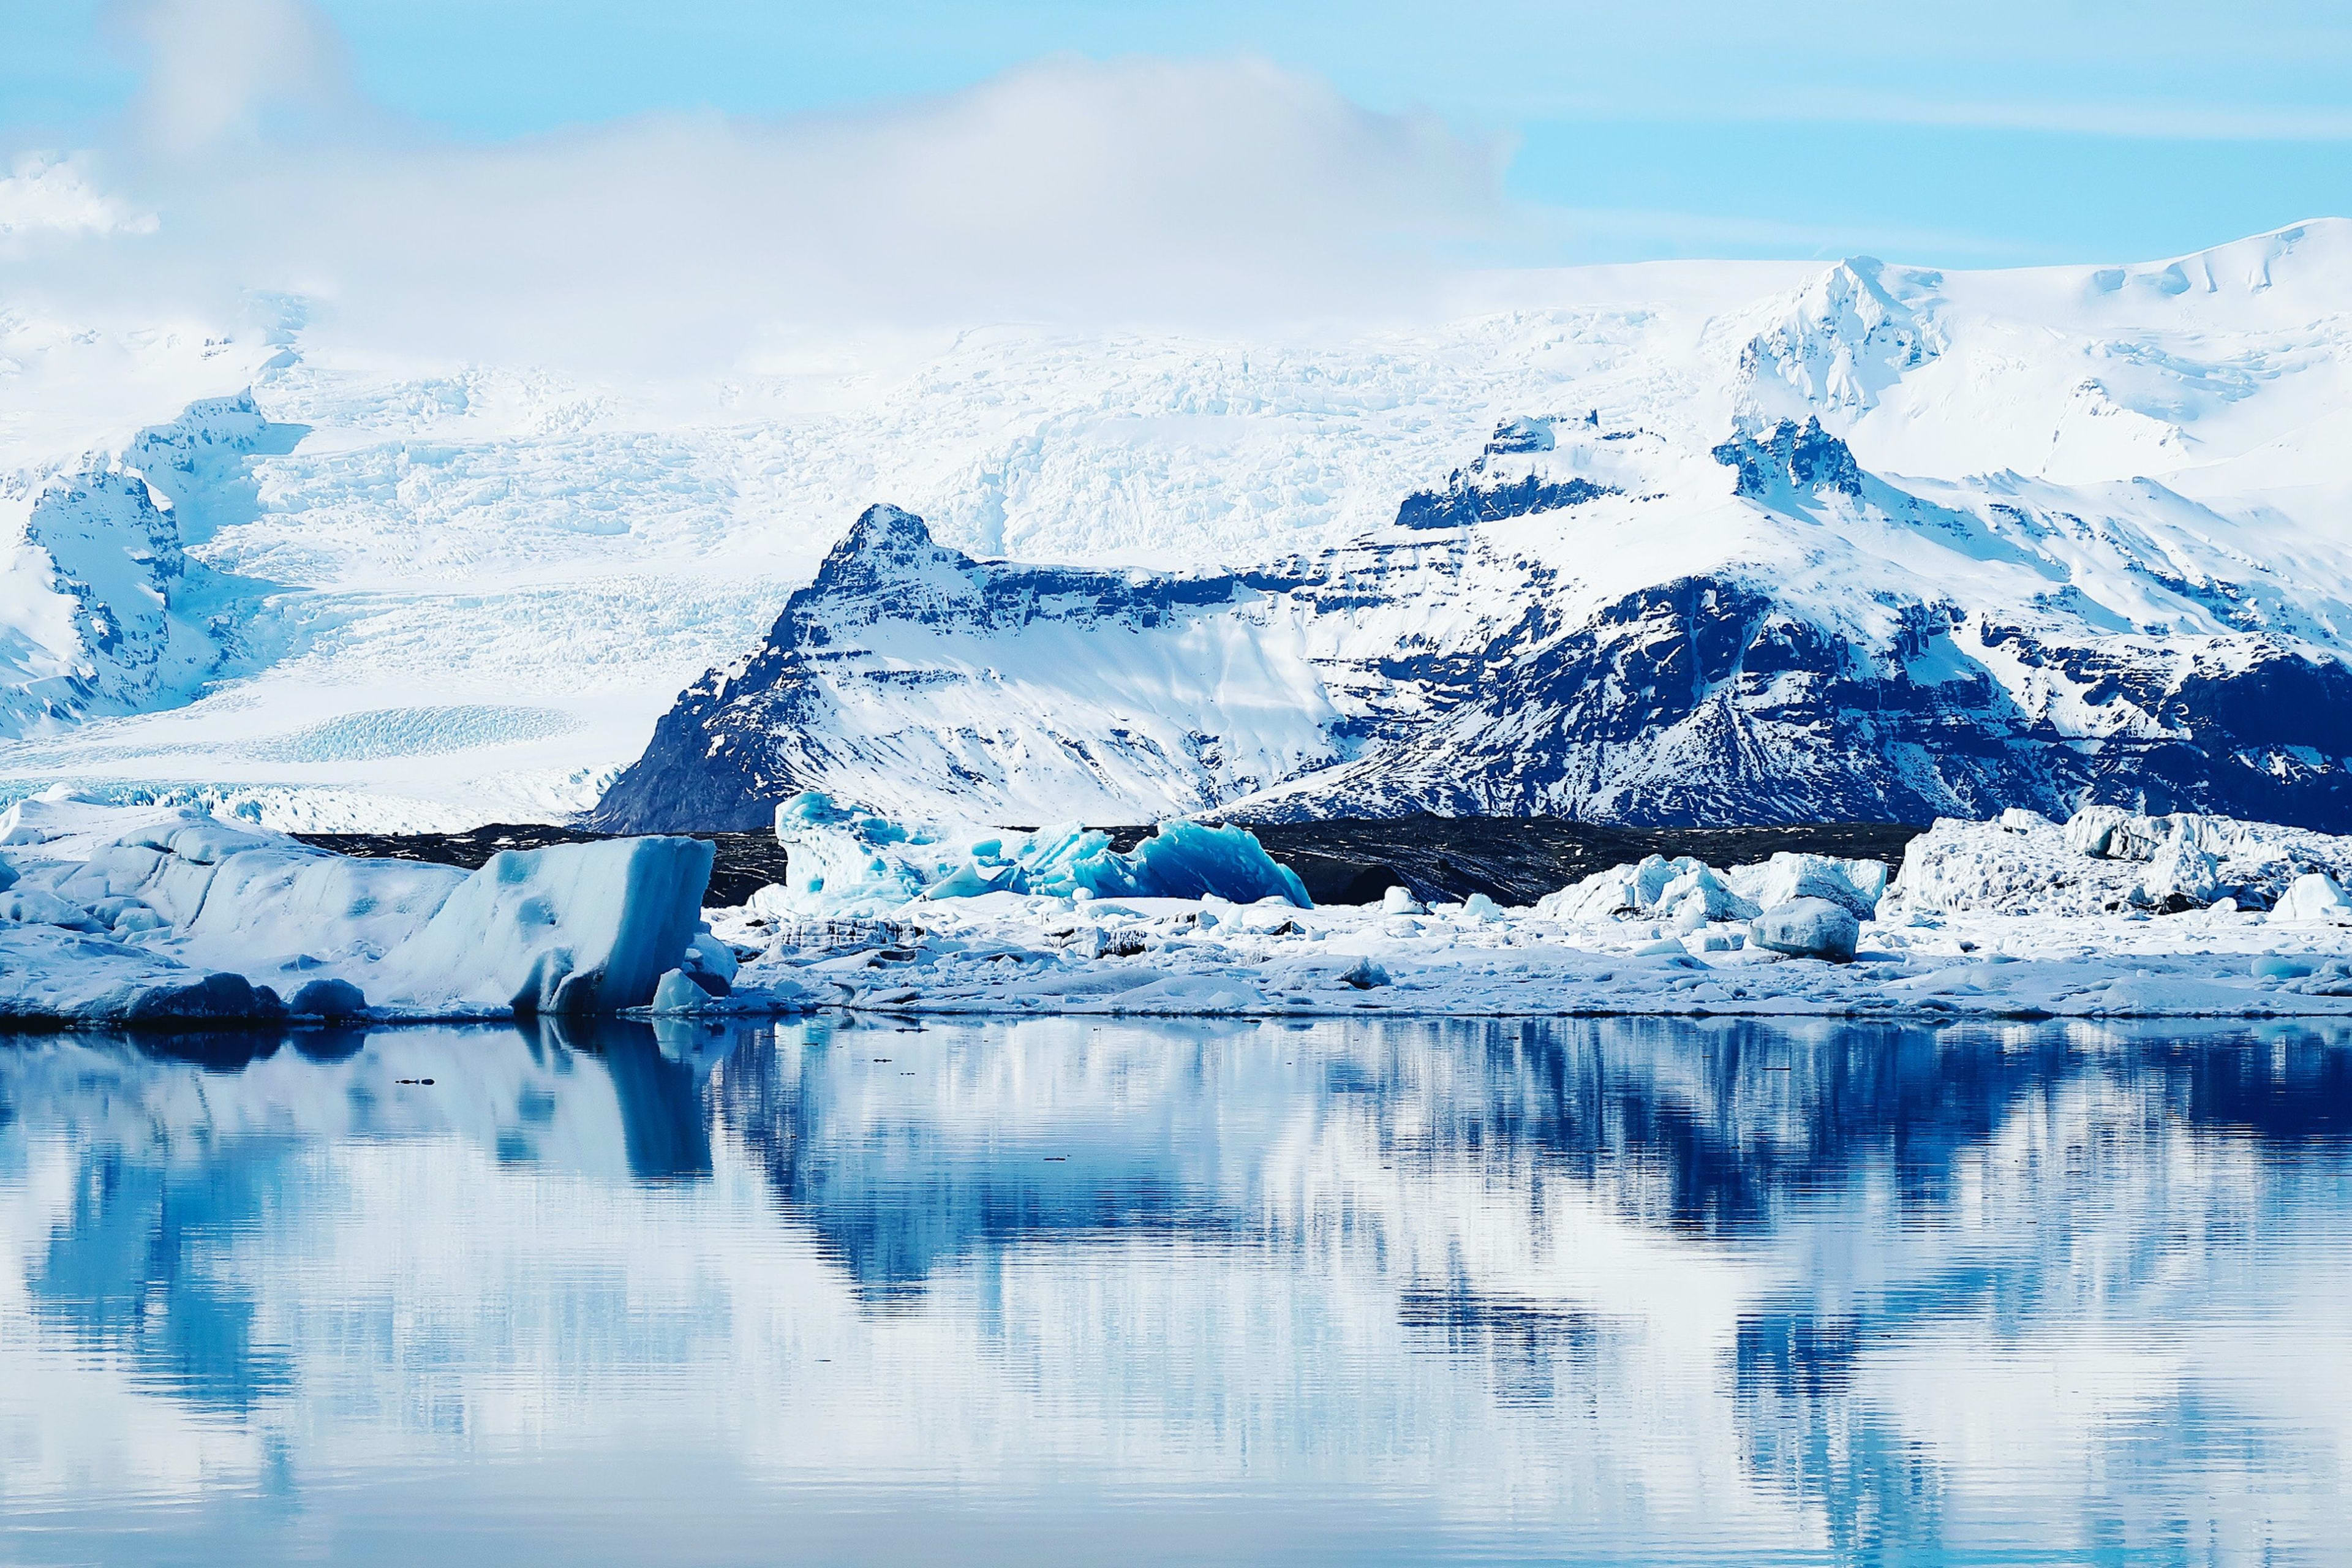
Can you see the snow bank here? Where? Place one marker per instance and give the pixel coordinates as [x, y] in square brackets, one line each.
[140, 914]
[2105, 860]
[1011, 954]
[844, 862]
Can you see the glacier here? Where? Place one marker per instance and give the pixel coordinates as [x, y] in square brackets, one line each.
[2100, 506]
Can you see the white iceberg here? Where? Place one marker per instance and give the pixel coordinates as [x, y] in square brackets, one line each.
[1807, 928]
[139, 914]
[2107, 860]
[1686, 893]
[2314, 896]
[572, 928]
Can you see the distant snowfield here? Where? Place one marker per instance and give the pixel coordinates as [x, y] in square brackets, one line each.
[431, 597]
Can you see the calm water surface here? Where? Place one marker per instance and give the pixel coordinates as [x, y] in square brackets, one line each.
[1055, 1291]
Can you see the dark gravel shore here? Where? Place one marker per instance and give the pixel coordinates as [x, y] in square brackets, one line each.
[1514, 860]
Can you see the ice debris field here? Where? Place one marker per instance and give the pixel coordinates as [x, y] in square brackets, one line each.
[165, 917]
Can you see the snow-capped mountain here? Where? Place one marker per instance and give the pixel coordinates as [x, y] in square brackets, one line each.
[1749, 540]
[1828, 646]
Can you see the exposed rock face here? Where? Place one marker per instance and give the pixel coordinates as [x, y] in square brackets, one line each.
[1052, 686]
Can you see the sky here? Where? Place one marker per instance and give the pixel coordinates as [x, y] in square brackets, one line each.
[684, 191]
[1997, 132]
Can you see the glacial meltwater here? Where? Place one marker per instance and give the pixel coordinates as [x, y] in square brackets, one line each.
[1059, 1291]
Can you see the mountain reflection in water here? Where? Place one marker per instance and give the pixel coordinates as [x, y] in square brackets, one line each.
[1110, 1290]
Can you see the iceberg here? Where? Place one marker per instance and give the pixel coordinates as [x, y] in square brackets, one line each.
[845, 862]
[572, 928]
[1807, 928]
[1856, 885]
[2106, 860]
[2314, 896]
[147, 915]
[1687, 893]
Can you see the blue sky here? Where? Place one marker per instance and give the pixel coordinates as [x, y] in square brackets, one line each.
[1994, 132]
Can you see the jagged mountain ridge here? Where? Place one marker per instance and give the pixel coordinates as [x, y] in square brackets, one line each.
[1846, 648]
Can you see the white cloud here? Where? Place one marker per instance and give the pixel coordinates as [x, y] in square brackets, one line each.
[1142, 191]
[46, 198]
[223, 71]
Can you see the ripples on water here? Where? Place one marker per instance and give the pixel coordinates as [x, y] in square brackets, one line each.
[1054, 1291]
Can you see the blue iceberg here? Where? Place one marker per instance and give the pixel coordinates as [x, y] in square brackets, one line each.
[844, 861]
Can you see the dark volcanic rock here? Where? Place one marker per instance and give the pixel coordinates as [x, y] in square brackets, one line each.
[1514, 860]
[1461, 503]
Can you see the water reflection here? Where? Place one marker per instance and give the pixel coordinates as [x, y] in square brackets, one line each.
[1620, 1290]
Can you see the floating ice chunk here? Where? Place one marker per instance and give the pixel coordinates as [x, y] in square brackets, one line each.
[711, 962]
[1856, 885]
[572, 928]
[1364, 974]
[679, 993]
[848, 862]
[220, 997]
[1808, 927]
[2107, 860]
[1479, 907]
[2315, 896]
[1699, 894]
[1621, 891]
[1401, 901]
[1189, 860]
[844, 862]
[2181, 876]
[289, 897]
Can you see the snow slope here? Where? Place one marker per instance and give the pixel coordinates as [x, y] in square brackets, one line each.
[467, 592]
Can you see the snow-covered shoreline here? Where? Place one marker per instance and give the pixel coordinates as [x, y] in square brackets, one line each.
[124, 917]
[2110, 915]
[1151, 956]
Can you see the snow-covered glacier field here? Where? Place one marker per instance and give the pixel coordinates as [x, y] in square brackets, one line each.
[257, 564]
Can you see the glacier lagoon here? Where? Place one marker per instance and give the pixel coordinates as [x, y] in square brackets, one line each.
[1101, 1290]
